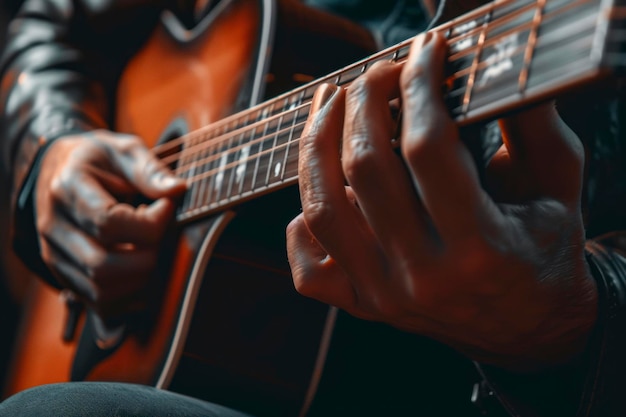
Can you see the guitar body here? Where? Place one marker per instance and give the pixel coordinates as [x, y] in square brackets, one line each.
[226, 323]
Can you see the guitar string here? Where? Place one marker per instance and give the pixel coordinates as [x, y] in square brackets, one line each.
[248, 132]
[171, 158]
[200, 140]
[249, 158]
[202, 143]
[494, 24]
[232, 198]
[177, 142]
[257, 155]
[255, 188]
[390, 51]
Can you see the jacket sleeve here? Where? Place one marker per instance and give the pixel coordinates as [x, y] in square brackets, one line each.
[58, 74]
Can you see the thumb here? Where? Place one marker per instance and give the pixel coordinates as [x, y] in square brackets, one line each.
[147, 173]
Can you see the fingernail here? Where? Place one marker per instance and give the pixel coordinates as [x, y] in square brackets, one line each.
[427, 38]
[167, 181]
[323, 95]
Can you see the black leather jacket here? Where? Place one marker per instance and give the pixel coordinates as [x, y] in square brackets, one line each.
[59, 70]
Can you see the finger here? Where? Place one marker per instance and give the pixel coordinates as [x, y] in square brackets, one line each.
[334, 221]
[318, 276]
[86, 291]
[142, 226]
[98, 274]
[550, 154]
[376, 173]
[143, 169]
[315, 274]
[443, 169]
[95, 210]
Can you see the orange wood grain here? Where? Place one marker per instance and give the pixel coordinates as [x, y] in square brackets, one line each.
[42, 357]
[199, 81]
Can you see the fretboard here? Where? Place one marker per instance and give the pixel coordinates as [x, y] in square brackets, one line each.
[501, 56]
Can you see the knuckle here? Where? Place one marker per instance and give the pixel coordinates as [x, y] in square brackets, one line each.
[361, 161]
[305, 285]
[412, 79]
[419, 146]
[99, 224]
[361, 89]
[95, 265]
[319, 218]
[60, 186]
[425, 142]
[127, 143]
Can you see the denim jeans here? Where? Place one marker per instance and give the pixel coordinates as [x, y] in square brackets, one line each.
[101, 399]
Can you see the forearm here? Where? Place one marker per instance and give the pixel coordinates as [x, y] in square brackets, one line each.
[58, 74]
[59, 70]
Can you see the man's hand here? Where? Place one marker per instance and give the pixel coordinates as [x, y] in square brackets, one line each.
[95, 242]
[496, 271]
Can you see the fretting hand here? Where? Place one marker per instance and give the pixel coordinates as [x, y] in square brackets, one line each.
[415, 240]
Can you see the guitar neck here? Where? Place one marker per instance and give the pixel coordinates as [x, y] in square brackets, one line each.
[504, 55]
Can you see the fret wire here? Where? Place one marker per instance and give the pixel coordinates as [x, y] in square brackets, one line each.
[547, 42]
[493, 24]
[257, 156]
[258, 160]
[530, 46]
[584, 20]
[227, 134]
[236, 158]
[292, 160]
[590, 20]
[256, 140]
[480, 66]
[284, 177]
[293, 124]
[395, 54]
[184, 156]
[297, 125]
[298, 138]
[220, 178]
[249, 145]
[204, 193]
[338, 80]
[337, 74]
[191, 194]
[213, 147]
[201, 165]
[574, 65]
[488, 42]
[472, 76]
[278, 127]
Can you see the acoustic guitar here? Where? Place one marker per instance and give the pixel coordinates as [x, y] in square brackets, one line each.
[225, 322]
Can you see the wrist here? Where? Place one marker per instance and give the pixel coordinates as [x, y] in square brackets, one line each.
[586, 384]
